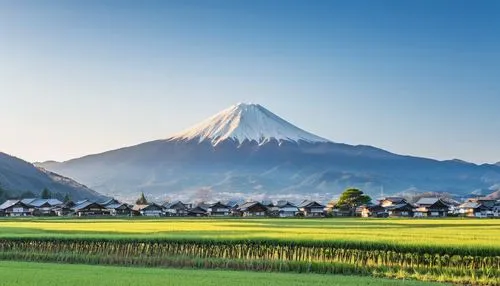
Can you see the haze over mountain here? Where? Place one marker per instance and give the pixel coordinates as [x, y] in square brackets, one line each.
[18, 176]
[247, 151]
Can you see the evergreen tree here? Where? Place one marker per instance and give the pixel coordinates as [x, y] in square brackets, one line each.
[352, 198]
[142, 200]
[67, 198]
[45, 194]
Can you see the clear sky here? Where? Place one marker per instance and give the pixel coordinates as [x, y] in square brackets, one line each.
[413, 77]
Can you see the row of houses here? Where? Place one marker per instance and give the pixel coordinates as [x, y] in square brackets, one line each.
[387, 207]
[430, 207]
[113, 207]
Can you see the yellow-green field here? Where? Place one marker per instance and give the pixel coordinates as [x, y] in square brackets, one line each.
[438, 232]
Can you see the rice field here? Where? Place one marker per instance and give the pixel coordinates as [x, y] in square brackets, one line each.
[45, 274]
[462, 251]
[465, 233]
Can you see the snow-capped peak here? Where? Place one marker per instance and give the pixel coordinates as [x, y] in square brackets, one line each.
[246, 122]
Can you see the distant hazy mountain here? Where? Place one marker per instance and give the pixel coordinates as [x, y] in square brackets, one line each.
[494, 195]
[18, 176]
[246, 150]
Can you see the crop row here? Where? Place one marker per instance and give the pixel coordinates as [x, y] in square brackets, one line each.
[464, 276]
[470, 250]
[257, 251]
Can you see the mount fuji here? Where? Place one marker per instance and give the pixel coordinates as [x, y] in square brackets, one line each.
[247, 151]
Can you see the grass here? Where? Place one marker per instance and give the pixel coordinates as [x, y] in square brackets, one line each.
[45, 274]
[465, 233]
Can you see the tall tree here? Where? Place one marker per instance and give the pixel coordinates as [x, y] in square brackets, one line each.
[142, 200]
[45, 194]
[67, 198]
[352, 198]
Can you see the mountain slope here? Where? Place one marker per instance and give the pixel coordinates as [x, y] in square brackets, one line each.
[246, 150]
[18, 176]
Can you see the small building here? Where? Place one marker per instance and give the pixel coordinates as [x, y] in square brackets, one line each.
[400, 210]
[89, 208]
[431, 207]
[15, 208]
[63, 210]
[489, 203]
[373, 211]
[42, 207]
[286, 209]
[152, 209]
[475, 209]
[496, 210]
[218, 209]
[391, 201]
[197, 212]
[312, 209]
[119, 209]
[176, 209]
[252, 209]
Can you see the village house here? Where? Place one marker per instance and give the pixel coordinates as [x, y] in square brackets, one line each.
[197, 212]
[42, 207]
[475, 209]
[391, 201]
[252, 209]
[218, 209]
[177, 208]
[65, 209]
[312, 209]
[152, 209]
[431, 207]
[119, 209]
[89, 208]
[402, 209]
[15, 208]
[489, 203]
[496, 210]
[286, 209]
[373, 211]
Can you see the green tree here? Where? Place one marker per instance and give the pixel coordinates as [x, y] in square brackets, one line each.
[67, 198]
[45, 194]
[352, 198]
[142, 200]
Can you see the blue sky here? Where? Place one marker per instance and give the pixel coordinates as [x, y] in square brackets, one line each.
[413, 77]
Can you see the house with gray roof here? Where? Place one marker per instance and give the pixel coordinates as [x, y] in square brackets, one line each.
[475, 209]
[431, 207]
[152, 209]
[286, 209]
[177, 208]
[89, 208]
[252, 209]
[403, 209]
[42, 207]
[15, 208]
[218, 209]
[312, 208]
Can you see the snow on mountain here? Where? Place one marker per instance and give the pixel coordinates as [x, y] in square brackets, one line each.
[246, 122]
